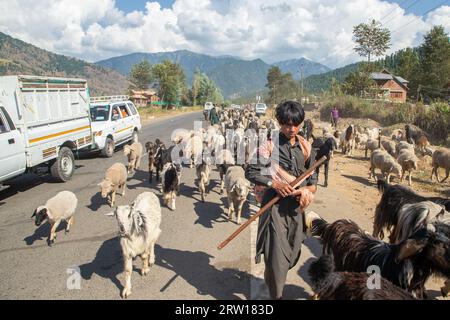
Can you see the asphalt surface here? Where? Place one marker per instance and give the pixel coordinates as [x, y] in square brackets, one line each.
[188, 265]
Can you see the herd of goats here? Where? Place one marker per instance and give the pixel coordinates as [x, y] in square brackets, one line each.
[418, 226]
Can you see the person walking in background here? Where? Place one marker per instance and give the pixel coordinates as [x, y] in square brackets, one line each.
[213, 117]
[334, 117]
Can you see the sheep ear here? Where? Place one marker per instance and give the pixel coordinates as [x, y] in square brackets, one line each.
[34, 213]
[110, 214]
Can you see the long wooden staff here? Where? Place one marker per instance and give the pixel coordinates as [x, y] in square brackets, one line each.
[298, 181]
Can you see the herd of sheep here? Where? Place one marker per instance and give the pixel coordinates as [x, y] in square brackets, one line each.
[229, 148]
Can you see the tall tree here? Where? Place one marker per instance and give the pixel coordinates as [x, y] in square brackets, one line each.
[140, 75]
[274, 79]
[172, 81]
[435, 66]
[371, 39]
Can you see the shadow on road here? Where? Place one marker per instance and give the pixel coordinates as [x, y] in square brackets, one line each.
[26, 182]
[196, 269]
[42, 232]
[97, 201]
[365, 181]
[107, 263]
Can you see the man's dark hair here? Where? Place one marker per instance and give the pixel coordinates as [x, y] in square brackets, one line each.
[290, 112]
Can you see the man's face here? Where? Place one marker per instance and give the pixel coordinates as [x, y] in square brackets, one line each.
[290, 130]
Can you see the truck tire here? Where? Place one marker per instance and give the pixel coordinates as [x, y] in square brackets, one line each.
[108, 150]
[64, 166]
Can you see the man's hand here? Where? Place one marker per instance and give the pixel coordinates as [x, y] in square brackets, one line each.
[283, 189]
[304, 197]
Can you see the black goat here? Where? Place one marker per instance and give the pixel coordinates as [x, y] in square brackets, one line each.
[328, 284]
[407, 264]
[324, 147]
[393, 199]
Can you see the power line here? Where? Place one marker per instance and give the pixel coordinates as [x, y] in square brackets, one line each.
[415, 18]
[410, 6]
[390, 12]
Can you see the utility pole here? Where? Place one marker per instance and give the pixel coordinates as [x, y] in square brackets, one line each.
[301, 80]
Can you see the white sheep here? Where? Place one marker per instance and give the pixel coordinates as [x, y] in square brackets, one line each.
[440, 159]
[389, 146]
[361, 140]
[237, 190]
[373, 133]
[382, 160]
[224, 159]
[60, 207]
[371, 145]
[408, 160]
[403, 145]
[133, 153]
[139, 229]
[115, 178]
[193, 150]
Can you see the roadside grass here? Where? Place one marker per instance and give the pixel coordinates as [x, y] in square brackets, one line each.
[158, 112]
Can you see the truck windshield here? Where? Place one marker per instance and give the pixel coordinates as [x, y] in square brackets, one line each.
[100, 113]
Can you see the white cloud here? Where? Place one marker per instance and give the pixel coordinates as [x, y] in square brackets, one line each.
[272, 30]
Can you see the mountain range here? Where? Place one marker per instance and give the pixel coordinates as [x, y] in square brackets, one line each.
[18, 57]
[234, 76]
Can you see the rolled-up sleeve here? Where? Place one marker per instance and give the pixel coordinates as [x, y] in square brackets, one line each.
[253, 174]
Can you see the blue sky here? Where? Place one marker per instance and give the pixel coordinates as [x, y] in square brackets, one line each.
[417, 7]
[139, 5]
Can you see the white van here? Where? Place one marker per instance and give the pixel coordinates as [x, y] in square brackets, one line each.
[115, 121]
[43, 120]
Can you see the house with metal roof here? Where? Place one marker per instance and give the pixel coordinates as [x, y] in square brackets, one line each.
[390, 87]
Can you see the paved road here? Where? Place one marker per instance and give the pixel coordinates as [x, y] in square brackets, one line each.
[188, 265]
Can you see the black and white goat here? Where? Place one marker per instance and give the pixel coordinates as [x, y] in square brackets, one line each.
[348, 140]
[329, 284]
[402, 212]
[324, 147]
[393, 198]
[170, 184]
[407, 264]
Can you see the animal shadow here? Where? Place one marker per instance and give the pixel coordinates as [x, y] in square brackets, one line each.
[43, 231]
[97, 201]
[196, 269]
[107, 263]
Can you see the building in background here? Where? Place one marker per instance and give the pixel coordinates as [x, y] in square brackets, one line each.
[390, 87]
[143, 98]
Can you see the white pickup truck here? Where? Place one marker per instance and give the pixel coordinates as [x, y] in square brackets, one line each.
[43, 121]
[115, 121]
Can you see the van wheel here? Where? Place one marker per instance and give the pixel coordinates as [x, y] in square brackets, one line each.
[64, 166]
[108, 150]
[134, 137]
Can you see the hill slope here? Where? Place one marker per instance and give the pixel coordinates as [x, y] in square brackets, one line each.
[18, 57]
[234, 76]
[319, 82]
[309, 67]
